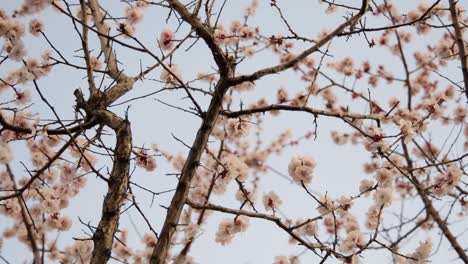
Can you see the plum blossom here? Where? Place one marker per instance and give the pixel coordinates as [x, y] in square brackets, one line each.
[375, 139]
[354, 240]
[120, 247]
[445, 183]
[384, 176]
[407, 130]
[5, 153]
[166, 39]
[326, 204]
[16, 51]
[150, 239]
[241, 223]
[228, 228]
[35, 27]
[127, 29]
[145, 161]
[62, 223]
[245, 86]
[95, 63]
[237, 169]
[33, 6]
[301, 168]
[384, 196]
[282, 95]
[271, 201]
[81, 250]
[237, 127]
[167, 76]
[434, 107]
[308, 229]
[23, 97]
[373, 217]
[286, 260]
[365, 185]
[346, 66]
[423, 251]
[252, 9]
[246, 195]
[133, 15]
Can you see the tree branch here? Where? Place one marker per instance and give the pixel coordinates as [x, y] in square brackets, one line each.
[117, 187]
[460, 43]
[282, 67]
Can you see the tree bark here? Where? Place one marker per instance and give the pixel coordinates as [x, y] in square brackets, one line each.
[118, 184]
[180, 197]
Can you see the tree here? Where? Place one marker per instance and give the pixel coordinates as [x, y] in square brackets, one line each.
[101, 96]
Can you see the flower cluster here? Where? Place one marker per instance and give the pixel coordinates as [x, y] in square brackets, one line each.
[166, 40]
[446, 182]
[170, 75]
[286, 260]
[145, 161]
[301, 169]
[375, 139]
[237, 127]
[228, 228]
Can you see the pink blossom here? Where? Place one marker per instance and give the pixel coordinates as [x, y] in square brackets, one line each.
[167, 76]
[282, 95]
[146, 161]
[237, 127]
[166, 39]
[444, 183]
[271, 201]
[423, 251]
[374, 216]
[246, 195]
[5, 153]
[281, 260]
[365, 185]
[35, 27]
[226, 232]
[384, 196]
[354, 240]
[95, 63]
[17, 51]
[309, 229]
[23, 97]
[133, 15]
[150, 240]
[237, 169]
[301, 169]
[127, 29]
[241, 223]
[407, 130]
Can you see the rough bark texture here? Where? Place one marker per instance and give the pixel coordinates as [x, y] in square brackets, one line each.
[109, 56]
[118, 183]
[95, 107]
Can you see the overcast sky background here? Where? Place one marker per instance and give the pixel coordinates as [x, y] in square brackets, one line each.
[339, 168]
